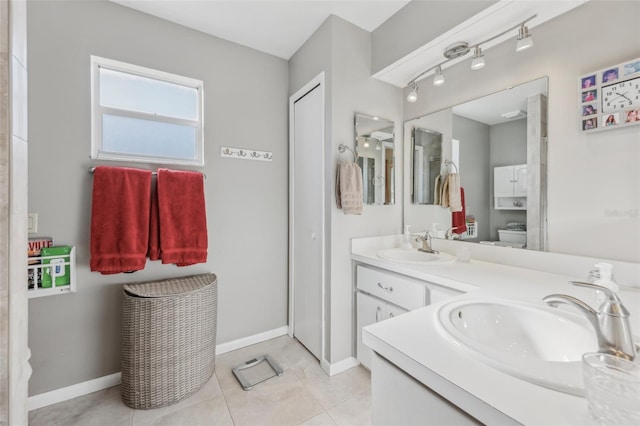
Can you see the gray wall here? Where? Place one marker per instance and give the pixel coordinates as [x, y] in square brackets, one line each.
[474, 167]
[343, 52]
[416, 24]
[76, 337]
[508, 148]
[583, 206]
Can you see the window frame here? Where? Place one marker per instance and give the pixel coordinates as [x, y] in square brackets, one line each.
[97, 111]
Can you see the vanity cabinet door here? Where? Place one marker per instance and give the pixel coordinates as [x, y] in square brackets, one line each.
[370, 310]
[393, 311]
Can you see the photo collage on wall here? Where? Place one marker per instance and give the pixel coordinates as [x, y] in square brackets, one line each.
[610, 97]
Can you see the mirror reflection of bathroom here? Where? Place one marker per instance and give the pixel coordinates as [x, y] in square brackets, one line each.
[427, 162]
[375, 148]
[488, 140]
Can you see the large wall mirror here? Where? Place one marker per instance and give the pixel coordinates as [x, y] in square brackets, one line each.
[375, 149]
[497, 145]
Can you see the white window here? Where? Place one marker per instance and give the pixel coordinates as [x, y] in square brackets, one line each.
[140, 114]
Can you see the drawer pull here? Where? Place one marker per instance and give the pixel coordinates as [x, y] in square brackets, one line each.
[386, 288]
[378, 314]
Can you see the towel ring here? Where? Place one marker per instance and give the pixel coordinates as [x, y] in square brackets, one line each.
[342, 148]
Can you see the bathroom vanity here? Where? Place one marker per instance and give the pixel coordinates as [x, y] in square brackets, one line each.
[421, 374]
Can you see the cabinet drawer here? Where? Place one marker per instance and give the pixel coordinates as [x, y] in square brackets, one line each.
[393, 288]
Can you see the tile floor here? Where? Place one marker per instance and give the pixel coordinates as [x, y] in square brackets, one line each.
[303, 395]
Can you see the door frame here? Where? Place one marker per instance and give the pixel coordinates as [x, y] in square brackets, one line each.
[311, 85]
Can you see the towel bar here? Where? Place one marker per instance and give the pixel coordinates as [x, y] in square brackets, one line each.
[93, 169]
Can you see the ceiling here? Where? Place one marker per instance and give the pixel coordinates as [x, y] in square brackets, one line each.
[488, 109]
[275, 27]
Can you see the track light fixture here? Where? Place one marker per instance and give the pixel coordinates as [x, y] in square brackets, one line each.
[413, 95]
[438, 79]
[478, 59]
[524, 40]
[460, 49]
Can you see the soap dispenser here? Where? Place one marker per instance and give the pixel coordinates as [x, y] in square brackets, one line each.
[406, 244]
[602, 275]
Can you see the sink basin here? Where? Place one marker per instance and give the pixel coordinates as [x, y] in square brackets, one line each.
[413, 256]
[539, 344]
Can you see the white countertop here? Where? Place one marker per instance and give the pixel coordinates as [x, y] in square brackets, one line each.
[413, 342]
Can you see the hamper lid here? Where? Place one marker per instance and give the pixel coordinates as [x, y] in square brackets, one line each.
[170, 287]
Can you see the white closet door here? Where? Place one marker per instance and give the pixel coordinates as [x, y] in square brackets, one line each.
[308, 219]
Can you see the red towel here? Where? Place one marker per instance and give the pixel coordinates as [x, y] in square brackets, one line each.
[119, 219]
[459, 219]
[180, 236]
[154, 225]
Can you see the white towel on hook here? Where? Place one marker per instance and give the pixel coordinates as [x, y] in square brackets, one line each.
[349, 188]
[455, 201]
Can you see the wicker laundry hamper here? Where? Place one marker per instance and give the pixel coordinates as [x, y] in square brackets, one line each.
[168, 339]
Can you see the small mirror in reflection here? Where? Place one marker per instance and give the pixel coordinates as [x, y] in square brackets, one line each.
[375, 149]
[427, 162]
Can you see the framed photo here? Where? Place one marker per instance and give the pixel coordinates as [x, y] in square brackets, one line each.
[590, 109]
[610, 75]
[632, 116]
[609, 98]
[590, 123]
[631, 68]
[589, 95]
[611, 119]
[588, 81]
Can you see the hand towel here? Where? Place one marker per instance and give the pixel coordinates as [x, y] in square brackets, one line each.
[455, 205]
[444, 191]
[350, 185]
[459, 218]
[182, 219]
[437, 190]
[119, 219]
[153, 251]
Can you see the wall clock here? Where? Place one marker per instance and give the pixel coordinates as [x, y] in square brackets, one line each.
[610, 97]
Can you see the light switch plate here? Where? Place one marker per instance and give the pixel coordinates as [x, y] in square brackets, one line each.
[32, 223]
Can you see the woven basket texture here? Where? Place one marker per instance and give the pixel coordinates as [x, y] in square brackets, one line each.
[168, 339]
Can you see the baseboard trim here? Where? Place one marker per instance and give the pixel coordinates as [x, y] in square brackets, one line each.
[63, 394]
[251, 340]
[340, 366]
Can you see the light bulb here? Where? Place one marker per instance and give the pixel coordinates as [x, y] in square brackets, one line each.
[438, 80]
[413, 94]
[478, 59]
[524, 40]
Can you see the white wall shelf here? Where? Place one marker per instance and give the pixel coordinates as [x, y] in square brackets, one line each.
[46, 263]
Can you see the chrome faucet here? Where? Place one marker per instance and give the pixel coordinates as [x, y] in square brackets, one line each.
[426, 243]
[450, 235]
[610, 321]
